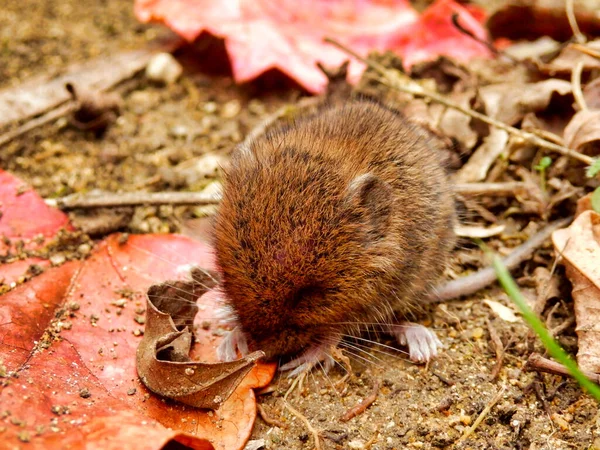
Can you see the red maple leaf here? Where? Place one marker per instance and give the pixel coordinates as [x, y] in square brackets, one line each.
[288, 35]
[67, 347]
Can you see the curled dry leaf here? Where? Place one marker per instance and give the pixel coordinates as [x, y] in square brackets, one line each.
[583, 129]
[261, 35]
[591, 94]
[509, 102]
[579, 245]
[163, 361]
[69, 339]
[483, 158]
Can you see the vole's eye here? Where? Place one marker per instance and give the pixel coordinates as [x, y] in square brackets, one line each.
[303, 293]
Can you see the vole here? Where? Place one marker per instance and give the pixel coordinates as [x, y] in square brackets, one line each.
[340, 219]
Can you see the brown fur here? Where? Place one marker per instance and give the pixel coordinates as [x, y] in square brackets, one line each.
[343, 217]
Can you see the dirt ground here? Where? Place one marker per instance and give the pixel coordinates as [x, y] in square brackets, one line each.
[163, 131]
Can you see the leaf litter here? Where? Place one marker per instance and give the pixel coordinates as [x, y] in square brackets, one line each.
[409, 395]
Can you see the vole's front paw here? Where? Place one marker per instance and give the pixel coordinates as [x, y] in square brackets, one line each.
[422, 342]
[231, 343]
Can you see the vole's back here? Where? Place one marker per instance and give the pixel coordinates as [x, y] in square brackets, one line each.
[340, 217]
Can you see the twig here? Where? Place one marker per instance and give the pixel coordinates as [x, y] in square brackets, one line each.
[570, 10]
[110, 199]
[498, 348]
[310, 428]
[576, 82]
[487, 44]
[32, 124]
[482, 415]
[269, 420]
[540, 364]
[472, 283]
[395, 80]
[362, 406]
[496, 189]
[587, 50]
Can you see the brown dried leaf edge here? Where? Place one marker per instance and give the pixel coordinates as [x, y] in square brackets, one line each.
[162, 359]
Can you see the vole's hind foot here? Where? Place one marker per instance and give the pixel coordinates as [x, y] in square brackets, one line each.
[231, 343]
[422, 342]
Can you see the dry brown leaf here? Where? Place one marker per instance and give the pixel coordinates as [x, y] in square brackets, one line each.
[579, 245]
[583, 129]
[591, 94]
[454, 124]
[163, 361]
[569, 58]
[479, 163]
[509, 102]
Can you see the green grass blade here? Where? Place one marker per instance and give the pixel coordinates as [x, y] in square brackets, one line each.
[511, 288]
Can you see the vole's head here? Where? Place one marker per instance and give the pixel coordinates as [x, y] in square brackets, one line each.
[299, 241]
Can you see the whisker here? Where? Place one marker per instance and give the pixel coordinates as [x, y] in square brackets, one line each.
[368, 361]
[376, 343]
[362, 350]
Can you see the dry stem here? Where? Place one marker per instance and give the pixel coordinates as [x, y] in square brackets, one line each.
[484, 413]
[576, 82]
[538, 363]
[110, 199]
[570, 10]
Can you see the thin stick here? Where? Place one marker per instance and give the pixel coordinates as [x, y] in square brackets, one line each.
[576, 82]
[587, 50]
[540, 364]
[472, 283]
[110, 199]
[570, 10]
[394, 80]
[310, 428]
[32, 124]
[484, 413]
[362, 406]
[269, 420]
[495, 189]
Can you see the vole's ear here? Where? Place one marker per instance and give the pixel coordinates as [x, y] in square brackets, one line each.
[370, 200]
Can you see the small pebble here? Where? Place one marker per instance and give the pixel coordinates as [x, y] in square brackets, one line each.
[85, 393]
[356, 444]
[57, 259]
[163, 68]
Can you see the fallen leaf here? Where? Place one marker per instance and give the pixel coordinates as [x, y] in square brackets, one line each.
[569, 57]
[260, 35]
[472, 231]
[69, 339]
[163, 361]
[583, 129]
[579, 245]
[19, 233]
[503, 312]
[483, 158]
[454, 124]
[509, 103]
[591, 94]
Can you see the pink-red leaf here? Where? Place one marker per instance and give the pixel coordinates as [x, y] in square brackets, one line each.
[288, 35]
[69, 339]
